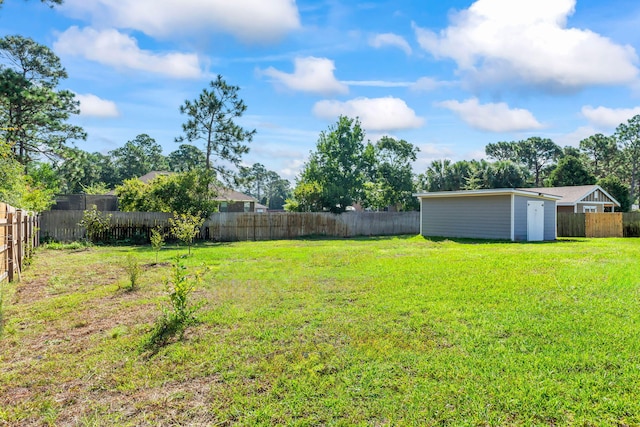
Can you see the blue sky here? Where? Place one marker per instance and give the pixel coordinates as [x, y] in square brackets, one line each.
[449, 77]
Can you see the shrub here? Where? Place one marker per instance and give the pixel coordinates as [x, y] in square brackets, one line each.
[95, 222]
[157, 241]
[132, 267]
[180, 312]
[185, 227]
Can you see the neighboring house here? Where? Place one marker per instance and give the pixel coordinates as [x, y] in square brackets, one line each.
[229, 200]
[580, 198]
[234, 201]
[503, 213]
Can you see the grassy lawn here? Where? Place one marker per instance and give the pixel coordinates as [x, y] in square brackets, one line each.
[389, 331]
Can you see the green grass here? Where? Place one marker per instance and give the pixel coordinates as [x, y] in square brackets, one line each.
[387, 331]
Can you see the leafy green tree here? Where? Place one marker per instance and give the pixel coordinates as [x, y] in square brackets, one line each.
[602, 152]
[18, 189]
[184, 193]
[211, 119]
[277, 191]
[252, 180]
[614, 186]
[391, 177]
[337, 166]
[33, 113]
[505, 174]
[307, 197]
[132, 196]
[139, 157]
[628, 135]
[443, 175]
[45, 176]
[186, 158]
[265, 185]
[536, 153]
[77, 170]
[503, 151]
[571, 171]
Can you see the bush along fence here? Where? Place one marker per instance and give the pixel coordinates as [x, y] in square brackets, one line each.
[18, 238]
[135, 227]
[599, 224]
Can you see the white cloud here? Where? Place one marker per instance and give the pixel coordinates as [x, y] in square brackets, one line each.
[248, 20]
[528, 41]
[110, 47]
[573, 138]
[428, 84]
[390, 39]
[376, 114]
[608, 117]
[93, 106]
[310, 75]
[492, 117]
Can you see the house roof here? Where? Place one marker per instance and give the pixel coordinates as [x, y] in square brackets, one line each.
[227, 195]
[489, 192]
[147, 178]
[224, 194]
[573, 194]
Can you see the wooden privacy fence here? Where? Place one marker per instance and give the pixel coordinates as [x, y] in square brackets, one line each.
[226, 227]
[18, 237]
[608, 224]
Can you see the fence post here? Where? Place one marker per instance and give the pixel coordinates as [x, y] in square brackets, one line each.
[10, 246]
[20, 245]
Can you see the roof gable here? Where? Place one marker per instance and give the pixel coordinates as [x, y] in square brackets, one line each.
[572, 195]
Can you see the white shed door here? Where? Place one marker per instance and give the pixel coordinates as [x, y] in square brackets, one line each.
[535, 221]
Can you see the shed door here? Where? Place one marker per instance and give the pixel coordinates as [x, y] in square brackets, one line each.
[535, 220]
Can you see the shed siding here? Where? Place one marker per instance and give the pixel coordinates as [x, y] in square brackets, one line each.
[486, 217]
[550, 220]
[520, 217]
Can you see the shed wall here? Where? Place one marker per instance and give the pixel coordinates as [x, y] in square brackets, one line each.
[520, 217]
[550, 220]
[480, 217]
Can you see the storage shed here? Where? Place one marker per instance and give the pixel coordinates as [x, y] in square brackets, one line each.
[504, 213]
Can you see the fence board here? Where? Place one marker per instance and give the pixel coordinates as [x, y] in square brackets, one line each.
[603, 224]
[571, 225]
[227, 226]
[631, 224]
[18, 237]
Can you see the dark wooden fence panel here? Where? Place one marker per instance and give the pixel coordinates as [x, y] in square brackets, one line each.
[631, 224]
[571, 225]
[63, 225]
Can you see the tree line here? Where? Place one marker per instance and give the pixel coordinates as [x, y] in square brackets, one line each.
[344, 170]
[39, 158]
